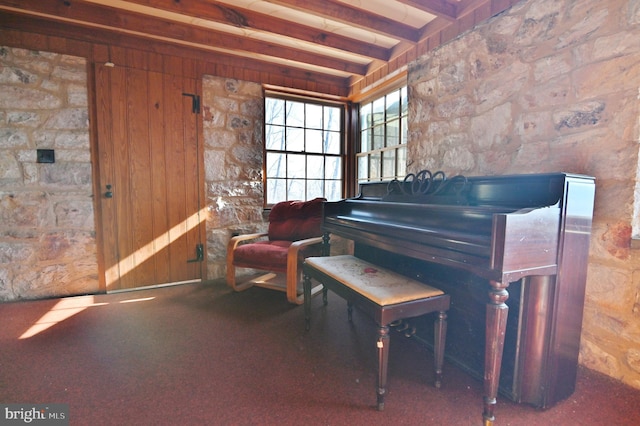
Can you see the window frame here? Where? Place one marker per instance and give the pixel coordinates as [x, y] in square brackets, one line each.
[288, 97]
[402, 135]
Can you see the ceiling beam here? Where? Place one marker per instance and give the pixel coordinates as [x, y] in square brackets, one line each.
[342, 12]
[118, 20]
[39, 25]
[244, 18]
[439, 8]
[310, 45]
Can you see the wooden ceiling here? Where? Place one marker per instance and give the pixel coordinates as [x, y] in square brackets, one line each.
[343, 45]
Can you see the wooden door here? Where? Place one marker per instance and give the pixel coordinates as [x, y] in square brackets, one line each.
[150, 178]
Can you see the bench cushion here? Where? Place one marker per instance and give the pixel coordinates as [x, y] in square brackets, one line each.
[377, 284]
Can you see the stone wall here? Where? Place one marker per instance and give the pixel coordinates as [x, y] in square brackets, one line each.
[550, 85]
[233, 123]
[47, 230]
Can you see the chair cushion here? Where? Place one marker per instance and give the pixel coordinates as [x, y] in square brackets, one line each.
[296, 220]
[269, 255]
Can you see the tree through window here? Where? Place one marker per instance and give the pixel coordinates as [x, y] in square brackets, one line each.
[303, 150]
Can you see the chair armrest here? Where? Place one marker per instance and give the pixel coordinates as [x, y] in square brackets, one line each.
[234, 241]
[293, 274]
[294, 248]
[297, 245]
[231, 246]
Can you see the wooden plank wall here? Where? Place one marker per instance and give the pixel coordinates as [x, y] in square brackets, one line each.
[158, 57]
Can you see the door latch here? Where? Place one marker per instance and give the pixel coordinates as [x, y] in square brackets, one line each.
[109, 193]
[199, 254]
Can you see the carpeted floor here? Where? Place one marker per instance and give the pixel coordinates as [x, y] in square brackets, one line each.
[200, 354]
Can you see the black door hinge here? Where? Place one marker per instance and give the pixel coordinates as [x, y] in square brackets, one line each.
[195, 102]
[199, 254]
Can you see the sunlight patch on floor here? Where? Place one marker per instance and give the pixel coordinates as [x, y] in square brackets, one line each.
[67, 308]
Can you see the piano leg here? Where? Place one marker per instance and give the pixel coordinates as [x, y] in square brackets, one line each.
[440, 333]
[383, 358]
[496, 326]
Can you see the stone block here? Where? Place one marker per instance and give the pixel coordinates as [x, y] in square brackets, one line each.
[9, 168]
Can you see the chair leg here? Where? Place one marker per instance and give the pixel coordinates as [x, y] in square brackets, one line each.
[231, 275]
[231, 280]
[306, 282]
[440, 335]
[292, 279]
[383, 360]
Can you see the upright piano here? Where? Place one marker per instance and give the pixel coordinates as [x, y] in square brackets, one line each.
[512, 252]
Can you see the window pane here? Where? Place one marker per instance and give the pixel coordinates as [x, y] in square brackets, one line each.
[296, 166]
[274, 137]
[393, 105]
[374, 166]
[378, 137]
[274, 111]
[332, 190]
[378, 111]
[315, 188]
[363, 167]
[402, 161]
[393, 133]
[388, 165]
[295, 139]
[315, 167]
[313, 117]
[366, 119]
[404, 100]
[366, 140]
[332, 118]
[332, 143]
[276, 165]
[276, 191]
[314, 140]
[295, 114]
[333, 168]
[296, 189]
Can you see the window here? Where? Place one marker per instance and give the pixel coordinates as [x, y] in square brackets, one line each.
[303, 150]
[383, 138]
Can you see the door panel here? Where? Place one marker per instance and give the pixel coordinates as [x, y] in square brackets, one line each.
[149, 154]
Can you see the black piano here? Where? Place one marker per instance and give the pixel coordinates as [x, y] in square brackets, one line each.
[511, 251]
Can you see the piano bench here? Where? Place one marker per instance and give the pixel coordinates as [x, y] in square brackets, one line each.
[384, 295]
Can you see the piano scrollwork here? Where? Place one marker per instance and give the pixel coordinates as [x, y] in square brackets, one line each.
[427, 186]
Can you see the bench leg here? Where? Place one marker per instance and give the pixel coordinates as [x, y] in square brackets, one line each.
[383, 359]
[306, 284]
[440, 335]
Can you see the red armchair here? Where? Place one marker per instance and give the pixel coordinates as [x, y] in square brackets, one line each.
[294, 233]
